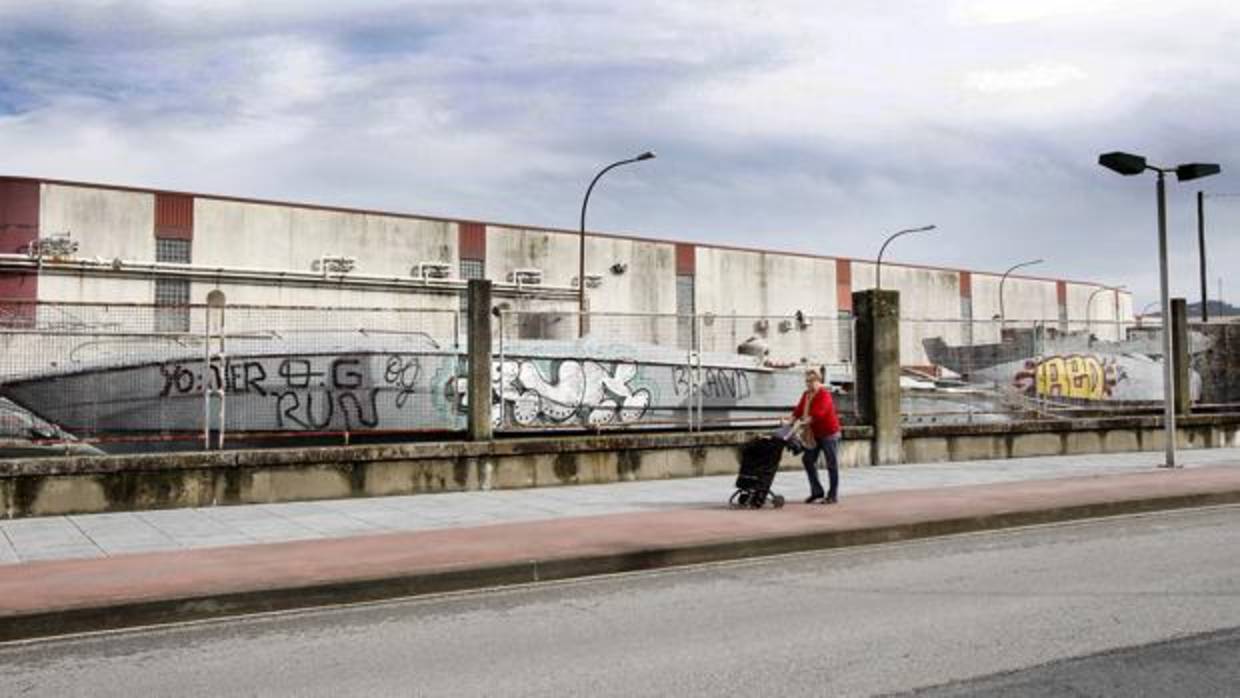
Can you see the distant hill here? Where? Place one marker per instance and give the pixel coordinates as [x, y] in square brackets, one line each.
[1213, 308]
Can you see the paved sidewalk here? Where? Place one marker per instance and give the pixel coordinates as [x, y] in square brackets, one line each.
[106, 535]
[54, 597]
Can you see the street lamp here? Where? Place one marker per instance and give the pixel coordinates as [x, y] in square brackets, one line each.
[1145, 311]
[878, 267]
[1128, 164]
[1089, 305]
[581, 255]
[1002, 281]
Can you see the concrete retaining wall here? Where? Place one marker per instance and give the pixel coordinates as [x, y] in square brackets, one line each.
[40, 487]
[1123, 435]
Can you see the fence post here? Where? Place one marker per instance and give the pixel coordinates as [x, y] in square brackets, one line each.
[479, 379]
[877, 367]
[1179, 350]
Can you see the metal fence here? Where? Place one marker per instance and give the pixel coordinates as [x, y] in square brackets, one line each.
[562, 370]
[979, 371]
[135, 377]
[117, 373]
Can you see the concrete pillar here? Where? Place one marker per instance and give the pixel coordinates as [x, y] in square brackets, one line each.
[479, 380]
[877, 368]
[1179, 350]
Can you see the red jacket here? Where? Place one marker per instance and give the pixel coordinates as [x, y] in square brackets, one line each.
[822, 418]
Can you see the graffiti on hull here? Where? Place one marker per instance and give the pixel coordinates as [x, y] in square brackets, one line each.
[1079, 376]
[565, 392]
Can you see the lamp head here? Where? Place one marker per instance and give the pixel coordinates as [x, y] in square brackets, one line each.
[1126, 164]
[1196, 170]
[648, 155]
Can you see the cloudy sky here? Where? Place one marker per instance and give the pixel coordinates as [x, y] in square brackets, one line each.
[812, 126]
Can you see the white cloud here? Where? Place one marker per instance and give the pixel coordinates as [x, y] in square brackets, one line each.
[1024, 79]
[811, 125]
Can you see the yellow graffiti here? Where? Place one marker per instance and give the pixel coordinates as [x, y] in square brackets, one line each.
[1072, 376]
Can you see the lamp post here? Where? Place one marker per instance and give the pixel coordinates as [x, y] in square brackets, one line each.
[1002, 281]
[878, 267]
[1089, 305]
[1201, 246]
[581, 255]
[1145, 311]
[1128, 165]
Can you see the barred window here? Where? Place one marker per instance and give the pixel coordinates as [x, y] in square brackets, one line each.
[684, 309]
[471, 269]
[171, 250]
[172, 295]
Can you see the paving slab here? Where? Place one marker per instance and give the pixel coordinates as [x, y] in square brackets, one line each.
[123, 533]
[71, 595]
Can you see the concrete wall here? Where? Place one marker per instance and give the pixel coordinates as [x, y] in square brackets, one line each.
[284, 237]
[112, 223]
[756, 294]
[44, 486]
[105, 222]
[929, 305]
[1099, 316]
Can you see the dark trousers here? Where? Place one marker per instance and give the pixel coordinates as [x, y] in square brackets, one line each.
[829, 447]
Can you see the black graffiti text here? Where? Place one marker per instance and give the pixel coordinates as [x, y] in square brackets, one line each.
[716, 383]
[315, 410]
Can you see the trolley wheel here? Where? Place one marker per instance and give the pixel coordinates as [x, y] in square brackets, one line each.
[777, 501]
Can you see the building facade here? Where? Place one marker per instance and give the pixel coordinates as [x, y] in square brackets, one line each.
[72, 242]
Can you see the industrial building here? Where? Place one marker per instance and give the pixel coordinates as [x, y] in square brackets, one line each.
[74, 242]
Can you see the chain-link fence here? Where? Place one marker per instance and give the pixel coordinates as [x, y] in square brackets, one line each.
[140, 376]
[562, 370]
[122, 373]
[971, 371]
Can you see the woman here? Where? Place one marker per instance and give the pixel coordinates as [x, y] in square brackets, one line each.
[817, 410]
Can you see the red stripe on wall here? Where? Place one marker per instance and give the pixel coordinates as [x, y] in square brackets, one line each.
[843, 284]
[966, 284]
[1061, 292]
[472, 240]
[686, 259]
[174, 216]
[19, 215]
[19, 226]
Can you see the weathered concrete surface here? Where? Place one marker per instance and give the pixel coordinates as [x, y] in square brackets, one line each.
[46, 598]
[1219, 365]
[1182, 395]
[479, 381]
[877, 368]
[45, 486]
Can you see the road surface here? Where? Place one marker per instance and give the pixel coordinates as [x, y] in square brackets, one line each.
[941, 617]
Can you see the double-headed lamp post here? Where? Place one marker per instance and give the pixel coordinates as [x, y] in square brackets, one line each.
[581, 255]
[1128, 164]
[1002, 281]
[878, 266]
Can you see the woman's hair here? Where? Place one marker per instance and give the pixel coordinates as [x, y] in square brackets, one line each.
[814, 374]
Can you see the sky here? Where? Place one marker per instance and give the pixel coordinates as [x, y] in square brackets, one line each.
[808, 126]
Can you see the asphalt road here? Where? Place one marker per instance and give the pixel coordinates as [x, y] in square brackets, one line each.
[885, 619]
[1202, 665]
